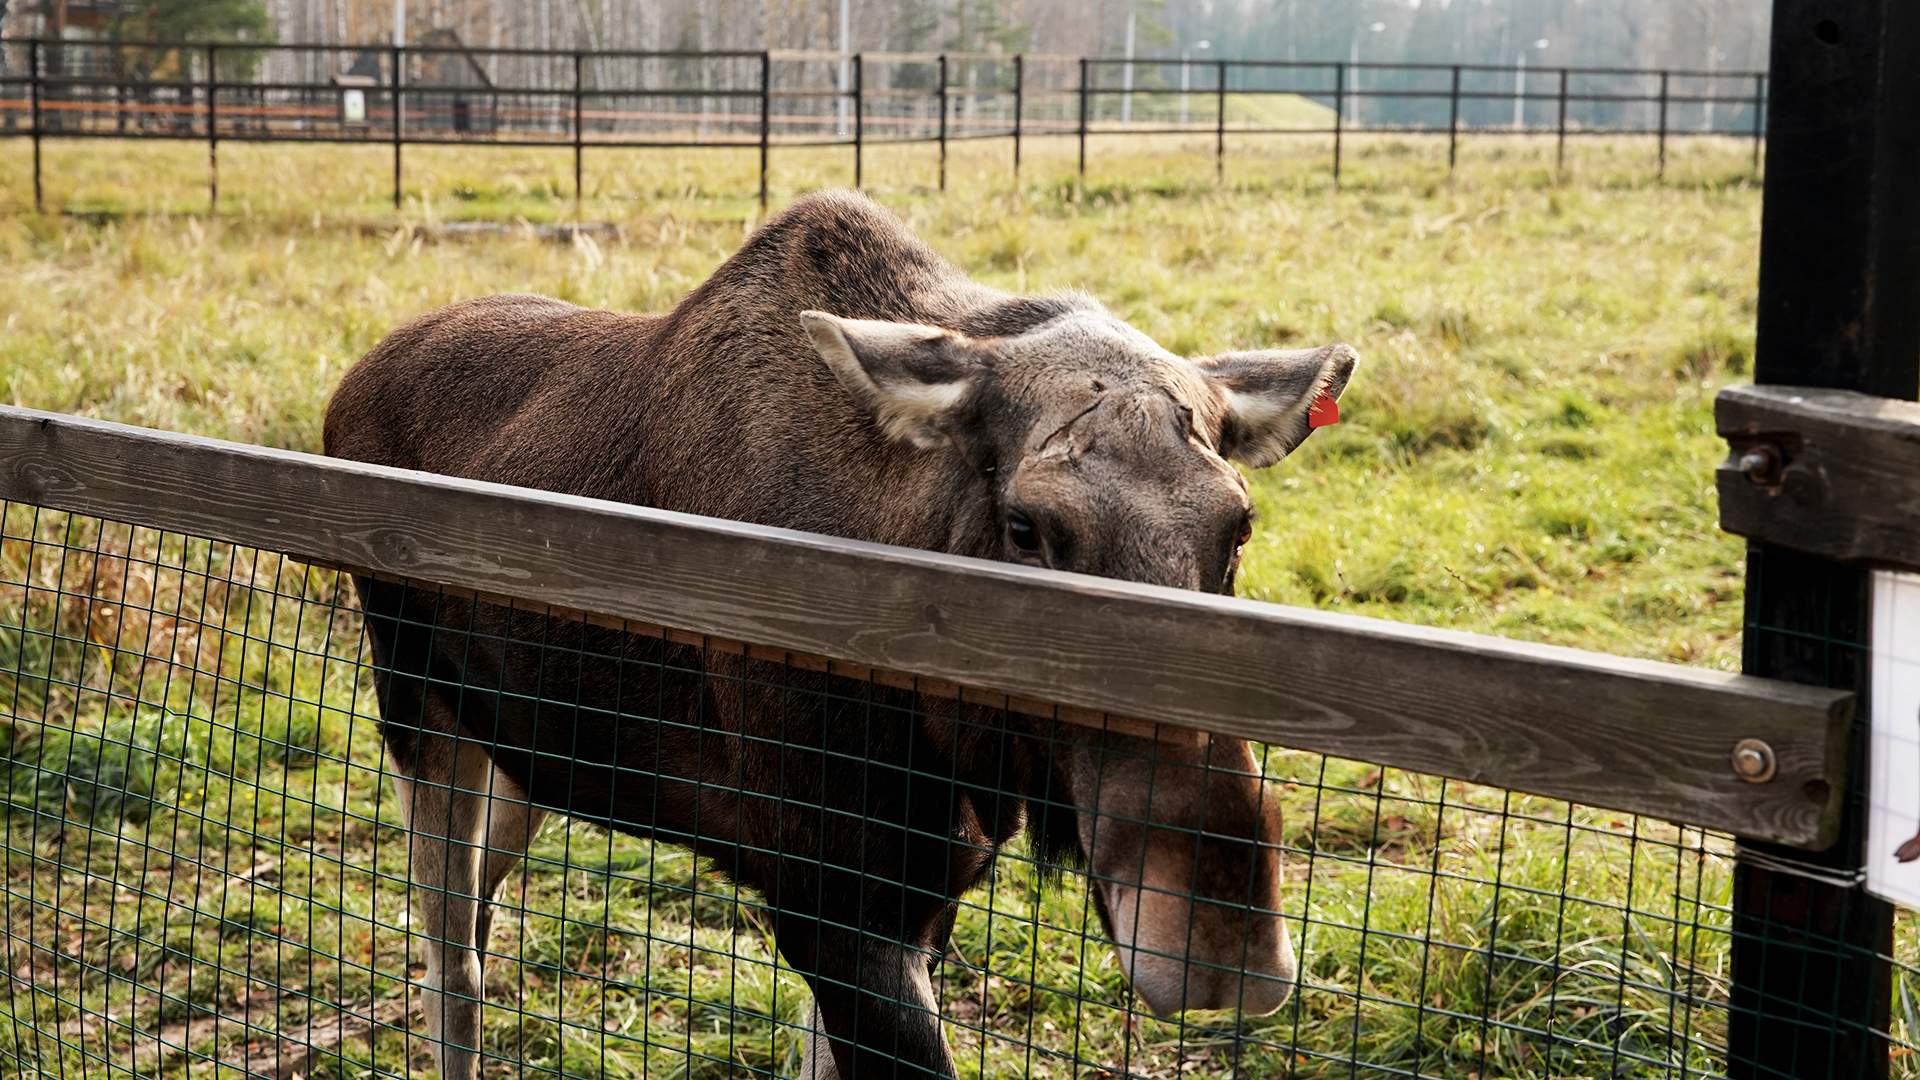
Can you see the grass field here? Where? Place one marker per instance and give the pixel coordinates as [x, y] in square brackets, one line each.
[1527, 450]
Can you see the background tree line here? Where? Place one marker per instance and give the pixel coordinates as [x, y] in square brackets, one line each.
[1704, 34]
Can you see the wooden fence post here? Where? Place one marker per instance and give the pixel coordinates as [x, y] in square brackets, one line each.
[1759, 115]
[859, 120]
[579, 61]
[213, 135]
[1560, 131]
[33, 86]
[1083, 121]
[1453, 121]
[766, 121]
[1220, 125]
[1662, 174]
[943, 121]
[1339, 116]
[1839, 268]
[1019, 102]
[395, 56]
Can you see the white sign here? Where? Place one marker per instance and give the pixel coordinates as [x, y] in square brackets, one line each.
[1893, 820]
[353, 106]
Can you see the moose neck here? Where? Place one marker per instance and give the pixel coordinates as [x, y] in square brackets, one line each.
[743, 419]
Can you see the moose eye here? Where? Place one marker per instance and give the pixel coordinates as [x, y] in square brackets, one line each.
[1246, 532]
[1021, 532]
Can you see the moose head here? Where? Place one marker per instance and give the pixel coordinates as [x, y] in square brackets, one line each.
[1103, 453]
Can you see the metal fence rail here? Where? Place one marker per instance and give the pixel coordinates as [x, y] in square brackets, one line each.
[206, 867]
[577, 99]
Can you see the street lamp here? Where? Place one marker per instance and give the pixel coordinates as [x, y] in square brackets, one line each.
[1520, 85]
[1353, 60]
[1186, 79]
[844, 75]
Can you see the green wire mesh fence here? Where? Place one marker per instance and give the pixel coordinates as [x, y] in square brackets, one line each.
[208, 871]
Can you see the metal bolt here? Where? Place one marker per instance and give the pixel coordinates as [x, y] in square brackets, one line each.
[1761, 464]
[1803, 485]
[1753, 761]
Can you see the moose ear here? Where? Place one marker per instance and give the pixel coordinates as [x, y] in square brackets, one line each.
[1268, 394]
[912, 379]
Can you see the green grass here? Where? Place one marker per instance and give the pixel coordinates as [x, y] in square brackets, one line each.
[1527, 450]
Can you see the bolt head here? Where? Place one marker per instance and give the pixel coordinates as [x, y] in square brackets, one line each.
[1761, 464]
[1752, 761]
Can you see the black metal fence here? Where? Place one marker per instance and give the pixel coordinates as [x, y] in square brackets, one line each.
[424, 95]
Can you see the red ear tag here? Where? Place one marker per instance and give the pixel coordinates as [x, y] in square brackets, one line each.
[1324, 410]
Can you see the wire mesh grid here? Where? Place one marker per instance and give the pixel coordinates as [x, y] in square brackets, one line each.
[1810, 621]
[208, 871]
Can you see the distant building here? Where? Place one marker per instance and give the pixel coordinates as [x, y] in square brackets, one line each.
[66, 20]
[447, 87]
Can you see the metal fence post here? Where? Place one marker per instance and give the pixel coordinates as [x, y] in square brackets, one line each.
[1811, 979]
[213, 137]
[579, 61]
[943, 121]
[394, 55]
[1453, 121]
[766, 121]
[1019, 103]
[1663, 126]
[1220, 125]
[33, 86]
[1560, 131]
[1339, 116]
[859, 117]
[1083, 120]
[1759, 114]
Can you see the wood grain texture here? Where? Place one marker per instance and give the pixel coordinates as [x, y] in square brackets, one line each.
[901, 680]
[1849, 486]
[1626, 734]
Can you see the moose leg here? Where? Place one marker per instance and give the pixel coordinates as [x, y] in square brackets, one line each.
[444, 801]
[511, 823]
[816, 1060]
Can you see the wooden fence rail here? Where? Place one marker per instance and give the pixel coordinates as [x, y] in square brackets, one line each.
[1632, 735]
[1829, 472]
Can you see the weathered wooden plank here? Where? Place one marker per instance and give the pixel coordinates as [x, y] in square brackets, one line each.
[901, 680]
[1829, 472]
[1627, 734]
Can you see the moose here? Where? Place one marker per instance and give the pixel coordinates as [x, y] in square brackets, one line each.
[834, 375]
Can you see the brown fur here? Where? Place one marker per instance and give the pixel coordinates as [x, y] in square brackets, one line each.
[860, 814]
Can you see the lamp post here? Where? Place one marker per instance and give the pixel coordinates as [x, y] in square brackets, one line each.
[1520, 86]
[845, 69]
[1353, 61]
[1186, 79]
[1714, 56]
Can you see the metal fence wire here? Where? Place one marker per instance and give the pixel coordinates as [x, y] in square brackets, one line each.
[207, 870]
[425, 94]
